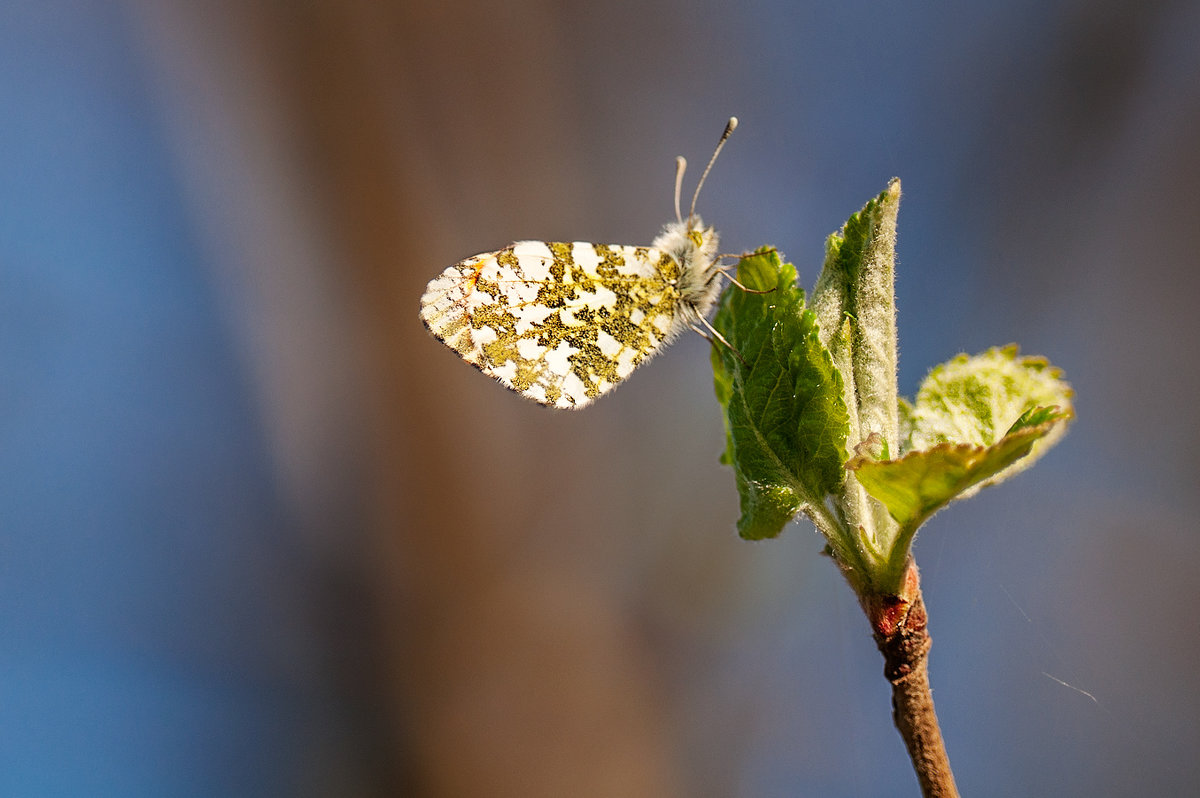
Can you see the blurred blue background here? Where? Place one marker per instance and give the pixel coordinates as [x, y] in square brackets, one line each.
[261, 535]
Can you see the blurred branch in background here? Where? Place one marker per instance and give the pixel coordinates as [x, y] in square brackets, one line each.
[494, 677]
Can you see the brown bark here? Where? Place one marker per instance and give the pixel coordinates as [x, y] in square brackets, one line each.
[900, 626]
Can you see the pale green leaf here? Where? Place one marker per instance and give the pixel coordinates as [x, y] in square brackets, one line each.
[978, 399]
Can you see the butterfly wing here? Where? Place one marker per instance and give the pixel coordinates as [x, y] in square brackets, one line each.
[560, 323]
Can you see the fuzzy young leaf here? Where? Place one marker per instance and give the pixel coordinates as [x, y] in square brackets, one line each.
[855, 303]
[785, 419]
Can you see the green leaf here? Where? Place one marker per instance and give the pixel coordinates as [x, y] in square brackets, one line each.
[855, 303]
[785, 419]
[921, 482]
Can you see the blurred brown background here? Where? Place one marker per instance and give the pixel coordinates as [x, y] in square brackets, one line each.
[261, 535]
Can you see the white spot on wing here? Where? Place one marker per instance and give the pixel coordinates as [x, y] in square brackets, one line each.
[557, 358]
[609, 346]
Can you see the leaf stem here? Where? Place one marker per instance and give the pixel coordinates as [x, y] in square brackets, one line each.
[849, 551]
[895, 571]
[900, 623]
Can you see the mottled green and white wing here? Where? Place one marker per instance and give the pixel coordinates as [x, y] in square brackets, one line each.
[560, 323]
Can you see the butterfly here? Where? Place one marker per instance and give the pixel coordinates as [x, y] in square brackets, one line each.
[563, 323]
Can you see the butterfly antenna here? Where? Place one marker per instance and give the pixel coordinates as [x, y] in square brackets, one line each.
[730, 126]
[680, 166]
